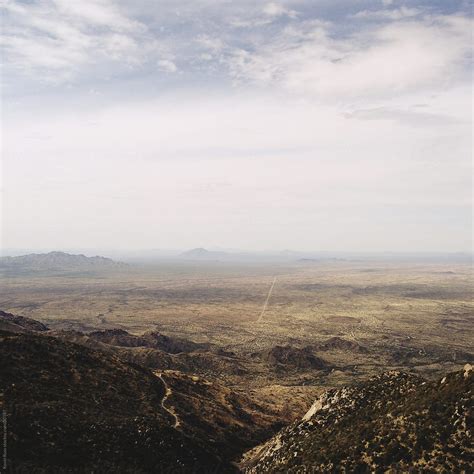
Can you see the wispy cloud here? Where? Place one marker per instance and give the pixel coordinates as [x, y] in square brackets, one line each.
[388, 14]
[377, 62]
[274, 9]
[167, 65]
[272, 43]
[57, 39]
[213, 44]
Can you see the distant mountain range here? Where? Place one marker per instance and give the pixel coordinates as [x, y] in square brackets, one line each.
[28, 256]
[56, 260]
[200, 253]
[314, 257]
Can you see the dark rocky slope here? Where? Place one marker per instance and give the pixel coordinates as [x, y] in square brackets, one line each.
[72, 409]
[289, 357]
[231, 421]
[394, 422]
[13, 323]
[75, 402]
[150, 339]
[157, 351]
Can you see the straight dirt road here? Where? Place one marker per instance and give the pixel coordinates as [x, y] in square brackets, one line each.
[266, 301]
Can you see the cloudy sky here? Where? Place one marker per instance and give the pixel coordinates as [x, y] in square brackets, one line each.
[302, 124]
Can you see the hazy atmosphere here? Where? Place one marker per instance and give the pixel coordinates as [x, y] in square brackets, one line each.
[309, 125]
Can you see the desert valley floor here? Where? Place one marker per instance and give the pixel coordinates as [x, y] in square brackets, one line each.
[393, 315]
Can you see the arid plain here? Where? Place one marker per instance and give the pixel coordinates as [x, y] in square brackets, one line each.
[357, 318]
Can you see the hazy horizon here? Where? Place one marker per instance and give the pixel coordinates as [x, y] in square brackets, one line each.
[233, 254]
[341, 126]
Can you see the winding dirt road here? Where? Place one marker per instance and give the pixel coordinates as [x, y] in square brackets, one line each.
[170, 410]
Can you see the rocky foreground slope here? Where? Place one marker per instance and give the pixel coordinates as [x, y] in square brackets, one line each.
[394, 422]
[73, 408]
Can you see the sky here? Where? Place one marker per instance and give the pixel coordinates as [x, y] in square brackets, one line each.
[322, 125]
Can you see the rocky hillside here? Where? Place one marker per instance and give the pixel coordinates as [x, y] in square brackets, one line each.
[14, 323]
[288, 357]
[71, 409]
[340, 344]
[393, 422]
[150, 339]
[157, 351]
[231, 421]
[152, 349]
[76, 404]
